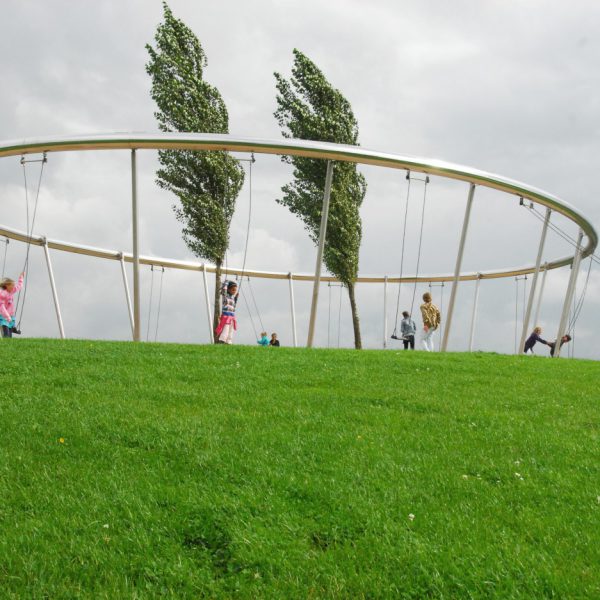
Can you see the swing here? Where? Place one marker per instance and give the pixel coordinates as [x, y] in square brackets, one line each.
[17, 327]
[162, 273]
[412, 305]
[250, 162]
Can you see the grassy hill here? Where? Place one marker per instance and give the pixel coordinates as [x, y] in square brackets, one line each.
[138, 471]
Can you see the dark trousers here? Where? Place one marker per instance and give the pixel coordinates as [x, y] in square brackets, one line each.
[6, 331]
[409, 339]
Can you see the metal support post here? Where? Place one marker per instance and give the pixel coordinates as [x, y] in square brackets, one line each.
[321, 247]
[459, 257]
[538, 262]
[569, 295]
[127, 295]
[54, 293]
[137, 335]
[474, 315]
[207, 300]
[293, 309]
[536, 318]
[385, 333]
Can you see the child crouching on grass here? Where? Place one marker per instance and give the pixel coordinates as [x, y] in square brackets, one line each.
[8, 289]
[227, 324]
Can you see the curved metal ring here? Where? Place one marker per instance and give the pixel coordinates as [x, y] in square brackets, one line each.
[310, 149]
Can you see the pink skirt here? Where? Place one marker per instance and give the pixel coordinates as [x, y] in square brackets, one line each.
[226, 320]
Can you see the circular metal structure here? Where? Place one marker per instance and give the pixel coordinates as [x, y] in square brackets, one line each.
[310, 149]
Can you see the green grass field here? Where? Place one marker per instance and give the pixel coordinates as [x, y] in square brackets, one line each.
[154, 470]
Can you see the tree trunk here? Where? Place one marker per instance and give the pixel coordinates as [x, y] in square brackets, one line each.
[217, 311]
[355, 321]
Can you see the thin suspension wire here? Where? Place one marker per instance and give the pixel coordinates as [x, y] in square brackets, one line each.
[412, 304]
[150, 304]
[593, 258]
[571, 346]
[579, 304]
[162, 274]
[249, 313]
[402, 251]
[29, 231]
[255, 304]
[563, 234]
[252, 160]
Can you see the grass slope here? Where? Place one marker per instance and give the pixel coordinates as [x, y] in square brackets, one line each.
[135, 471]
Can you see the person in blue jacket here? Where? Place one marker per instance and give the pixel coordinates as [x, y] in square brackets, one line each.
[533, 339]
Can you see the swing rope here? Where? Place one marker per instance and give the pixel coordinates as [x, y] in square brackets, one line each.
[249, 314]
[251, 162]
[255, 304]
[579, 303]
[560, 232]
[402, 253]
[29, 229]
[412, 304]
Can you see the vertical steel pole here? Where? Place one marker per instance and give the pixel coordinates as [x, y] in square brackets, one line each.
[137, 335]
[207, 300]
[127, 295]
[293, 309]
[54, 293]
[461, 248]
[474, 315]
[569, 295]
[385, 285]
[538, 262]
[322, 235]
[536, 317]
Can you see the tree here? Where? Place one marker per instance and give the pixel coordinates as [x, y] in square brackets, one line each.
[206, 183]
[310, 108]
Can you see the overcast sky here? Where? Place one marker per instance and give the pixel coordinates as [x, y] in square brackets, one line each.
[508, 87]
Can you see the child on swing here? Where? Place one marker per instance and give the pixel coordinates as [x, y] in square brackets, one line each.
[8, 288]
[227, 324]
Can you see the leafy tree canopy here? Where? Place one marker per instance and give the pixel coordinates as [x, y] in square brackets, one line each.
[206, 183]
[309, 107]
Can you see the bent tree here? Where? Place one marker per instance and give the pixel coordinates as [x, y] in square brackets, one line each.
[206, 183]
[310, 108]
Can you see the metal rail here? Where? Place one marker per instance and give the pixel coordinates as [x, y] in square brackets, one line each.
[186, 265]
[309, 149]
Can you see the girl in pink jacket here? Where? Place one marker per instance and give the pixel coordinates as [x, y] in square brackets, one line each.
[8, 289]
